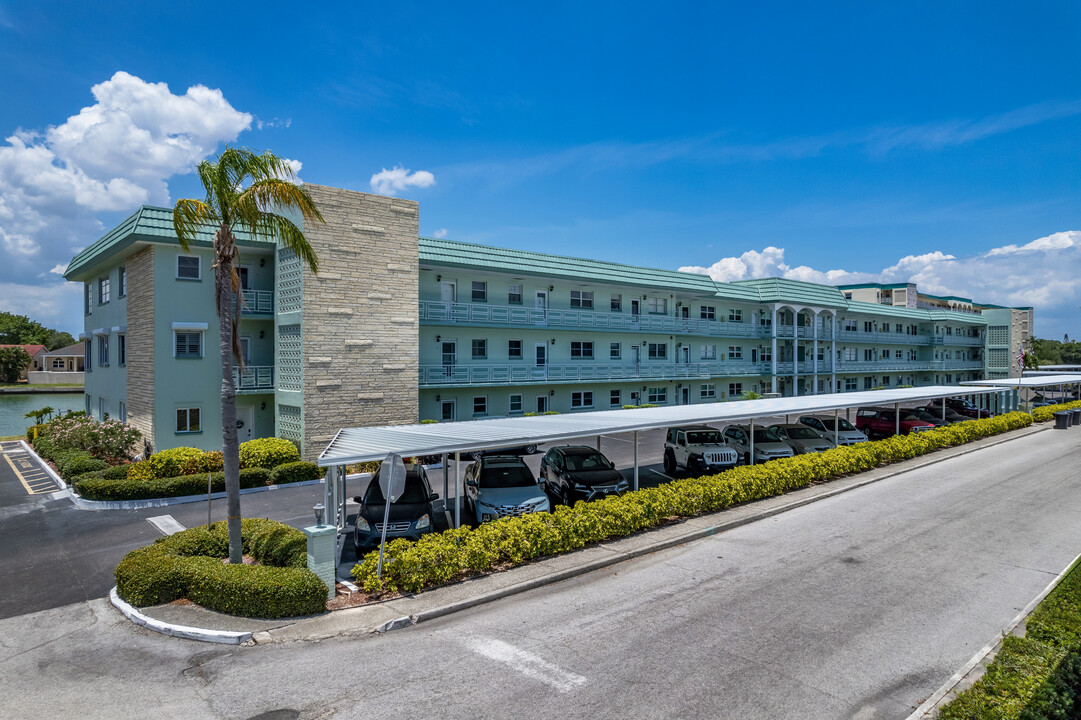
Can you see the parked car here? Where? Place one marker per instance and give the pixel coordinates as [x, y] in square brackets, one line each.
[576, 472]
[959, 405]
[884, 422]
[801, 438]
[698, 448]
[417, 512]
[501, 485]
[926, 416]
[847, 434]
[952, 416]
[767, 444]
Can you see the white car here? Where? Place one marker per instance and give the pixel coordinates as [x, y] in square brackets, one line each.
[847, 434]
[767, 445]
[698, 448]
[801, 438]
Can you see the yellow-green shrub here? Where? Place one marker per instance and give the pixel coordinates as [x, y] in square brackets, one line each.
[439, 557]
[1047, 413]
[268, 453]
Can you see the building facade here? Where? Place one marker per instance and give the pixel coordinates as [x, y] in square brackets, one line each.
[395, 328]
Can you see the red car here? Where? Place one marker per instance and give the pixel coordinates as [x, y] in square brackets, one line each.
[883, 422]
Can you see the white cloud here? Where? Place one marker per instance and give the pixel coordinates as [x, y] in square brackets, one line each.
[440, 233]
[112, 156]
[390, 182]
[1044, 273]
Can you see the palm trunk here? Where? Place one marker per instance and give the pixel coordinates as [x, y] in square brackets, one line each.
[230, 445]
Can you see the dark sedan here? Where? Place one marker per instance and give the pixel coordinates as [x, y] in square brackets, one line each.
[419, 511]
[573, 473]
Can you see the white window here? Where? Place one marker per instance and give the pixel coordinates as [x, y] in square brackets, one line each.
[187, 420]
[187, 345]
[583, 399]
[514, 294]
[884, 353]
[103, 350]
[582, 299]
[122, 284]
[850, 325]
[735, 389]
[514, 349]
[88, 356]
[615, 351]
[735, 316]
[515, 403]
[658, 395]
[885, 380]
[657, 306]
[123, 411]
[480, 291]
[58, 363]
[868, 354]
[103, 409]
[480, 349]
[88, 304]
[848, 296]
[480, 405]
[735, 352]
[658, 351]
[617, 303]
[868, 326]
[709, 352]
[898, 354]
[122, 349]
[868, 383]
[103, 290]
[708, 312]
[188, 267]
[850, 354]
[580, 349]
[850, 384]
[615, 397]
[709, 391]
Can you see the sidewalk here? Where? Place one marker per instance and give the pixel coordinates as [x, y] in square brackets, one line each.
[410, 610]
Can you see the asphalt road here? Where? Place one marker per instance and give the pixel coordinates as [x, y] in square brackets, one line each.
[858, 606]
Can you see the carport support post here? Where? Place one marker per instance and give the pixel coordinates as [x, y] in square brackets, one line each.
[836, 429]
[457, 489]
[446, 479]
[635, 459]
[752, 441]
[896, 419]
[598, 443]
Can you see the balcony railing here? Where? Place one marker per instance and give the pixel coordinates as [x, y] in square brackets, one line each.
[258, 301]
[891, 365]
[254, 377]
[884, 337]
[957, 340]
[520, 316]
[446, 375]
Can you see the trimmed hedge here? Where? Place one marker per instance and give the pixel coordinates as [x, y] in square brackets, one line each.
[294, 472]
[268, 453]
[1037, 676]
[93, 487]
[439, 557]
[189, 564]
[1047, 413]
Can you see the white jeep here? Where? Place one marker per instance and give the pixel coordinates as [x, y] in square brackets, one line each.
[698, 448]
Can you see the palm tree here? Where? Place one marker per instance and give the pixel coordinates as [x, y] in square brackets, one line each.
[244, 192]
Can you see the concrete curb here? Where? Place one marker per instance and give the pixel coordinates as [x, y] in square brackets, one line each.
[180, 631]
[930, 707]
[179, 500]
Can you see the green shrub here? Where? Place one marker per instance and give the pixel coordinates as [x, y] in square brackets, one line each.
[439, 557]
[188, 564]
[34, 431]
[1047, 413]
[294, 472]
[94, 487]
[82, 464]
[267, 453]
[429, 421]
[172, 462]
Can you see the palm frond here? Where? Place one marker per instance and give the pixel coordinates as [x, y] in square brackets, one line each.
[188, 216]
[283, 230]
[276, 195]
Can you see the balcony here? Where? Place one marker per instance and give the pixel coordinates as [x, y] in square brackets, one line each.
[958, 364]
[258, 302]
[254, 378]
[455, 375]
[483, 314]
[957, 340]
[893, 365]
[883, 337]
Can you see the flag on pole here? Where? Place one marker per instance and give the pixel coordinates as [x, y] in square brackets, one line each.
[1021, 358]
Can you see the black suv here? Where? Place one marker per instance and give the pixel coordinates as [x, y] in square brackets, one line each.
[417, 512]
[571, 473]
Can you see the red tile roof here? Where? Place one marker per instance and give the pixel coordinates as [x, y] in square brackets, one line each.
[31, 350]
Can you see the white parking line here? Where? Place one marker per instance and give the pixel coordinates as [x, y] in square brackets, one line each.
[166, 524]
[658, 472]
[527, 663]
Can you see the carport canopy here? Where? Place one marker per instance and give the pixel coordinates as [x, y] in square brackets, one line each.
[354, 445]
[1028, 381]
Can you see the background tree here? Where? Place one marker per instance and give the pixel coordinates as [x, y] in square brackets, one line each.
[12, 363]
[21, 330]
[245, 192]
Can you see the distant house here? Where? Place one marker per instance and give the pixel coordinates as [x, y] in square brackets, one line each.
[63, 365]
[34, 351]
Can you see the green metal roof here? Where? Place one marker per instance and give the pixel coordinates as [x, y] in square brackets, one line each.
[869, 308]
[797, 292]
[883, 286]
[453, 253]
[147, 224]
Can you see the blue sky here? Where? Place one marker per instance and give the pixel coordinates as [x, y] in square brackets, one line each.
[874, 140]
